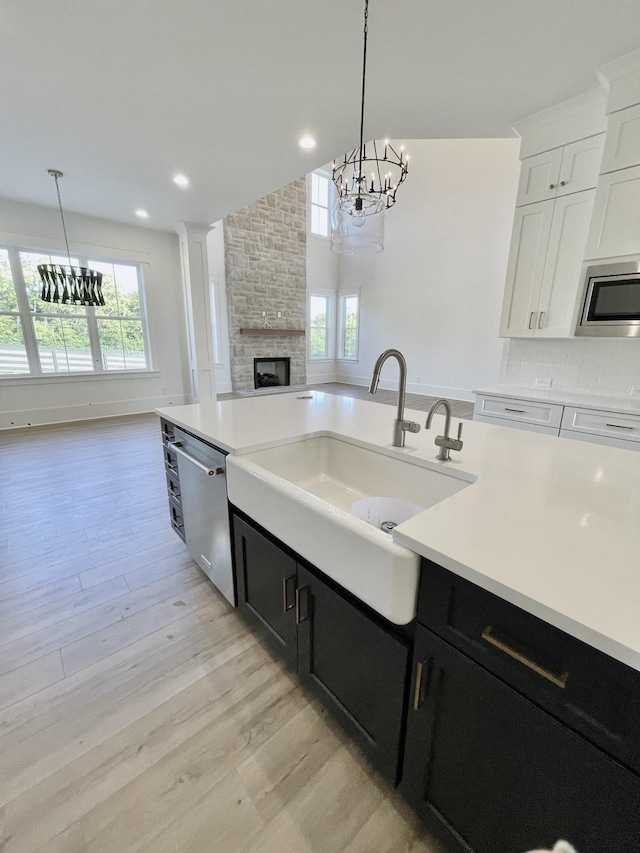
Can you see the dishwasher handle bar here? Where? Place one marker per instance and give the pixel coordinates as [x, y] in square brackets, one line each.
[210, 472]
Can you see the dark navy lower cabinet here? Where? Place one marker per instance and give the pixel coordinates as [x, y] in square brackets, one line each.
[356, 664]
[490, 770]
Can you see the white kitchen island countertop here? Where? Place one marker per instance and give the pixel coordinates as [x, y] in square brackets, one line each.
[551, 525]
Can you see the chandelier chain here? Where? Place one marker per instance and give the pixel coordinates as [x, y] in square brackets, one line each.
[55, 176]
[364, 76]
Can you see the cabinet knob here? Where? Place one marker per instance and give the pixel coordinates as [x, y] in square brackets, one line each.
[552, 186]
[563, 183]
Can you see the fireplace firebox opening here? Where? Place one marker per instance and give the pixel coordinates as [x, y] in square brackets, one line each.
[268, 372]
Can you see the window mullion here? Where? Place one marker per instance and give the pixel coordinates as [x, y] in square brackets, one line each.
[94, 340]
[26, 315]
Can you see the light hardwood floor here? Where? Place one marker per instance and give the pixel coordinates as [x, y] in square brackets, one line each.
[138, 713]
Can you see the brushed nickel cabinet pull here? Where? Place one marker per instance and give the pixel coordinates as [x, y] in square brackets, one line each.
[285, 598]
[517, 411]
[558, 680]
[300, 619]
[416, 692]
[540, 319]
[531, 317]
[619, 426]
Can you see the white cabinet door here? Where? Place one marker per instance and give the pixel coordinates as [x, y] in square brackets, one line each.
[622, 148]
[615, 225]
[580, 165]
[563, 265]
[539, 177]
[529, 240]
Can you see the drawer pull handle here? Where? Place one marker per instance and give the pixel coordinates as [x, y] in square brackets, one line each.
[531, 318]
[541, 315]
[558, 680]
[620, 426]
[423, 676]
[285, 597]
[299, 617]
[517, 411]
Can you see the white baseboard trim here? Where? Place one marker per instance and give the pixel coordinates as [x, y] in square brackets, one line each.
[413, 387]
[86, 411]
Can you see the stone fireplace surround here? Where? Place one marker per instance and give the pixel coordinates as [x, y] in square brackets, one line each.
[265, 261]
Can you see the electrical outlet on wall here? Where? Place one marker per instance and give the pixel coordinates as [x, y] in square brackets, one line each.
[543, 383]
[279, 315]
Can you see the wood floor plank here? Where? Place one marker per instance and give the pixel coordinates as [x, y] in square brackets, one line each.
[23, 600]
[129, 669]
[77, 629]
[30, 679]
[21, 625]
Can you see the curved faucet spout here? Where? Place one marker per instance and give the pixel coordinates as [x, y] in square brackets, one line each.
[400, 425]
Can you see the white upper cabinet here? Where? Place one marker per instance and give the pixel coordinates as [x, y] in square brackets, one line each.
[622, 148]
[543, 274]
[531, 229]
[539, 177]
[615, 225]
[563, 265]
[560, 171]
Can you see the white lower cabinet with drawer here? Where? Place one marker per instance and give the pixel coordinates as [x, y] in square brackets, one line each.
[518, 412]
[619, 430]
[597, 425]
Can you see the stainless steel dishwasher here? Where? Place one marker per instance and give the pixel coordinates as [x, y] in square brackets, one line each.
[203, 493]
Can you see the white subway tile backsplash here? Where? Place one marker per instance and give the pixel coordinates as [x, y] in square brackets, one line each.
[606, 366]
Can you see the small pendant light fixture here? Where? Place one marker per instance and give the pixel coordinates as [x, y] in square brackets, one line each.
[69, 284]
[366, 183]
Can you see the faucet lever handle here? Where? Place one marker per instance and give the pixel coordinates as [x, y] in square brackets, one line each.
[459, 430]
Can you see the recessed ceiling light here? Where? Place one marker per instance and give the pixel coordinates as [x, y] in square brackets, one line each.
[142, 213]
[307, 142]
[181, 180]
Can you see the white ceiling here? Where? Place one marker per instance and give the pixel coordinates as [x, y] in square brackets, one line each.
[121, 94]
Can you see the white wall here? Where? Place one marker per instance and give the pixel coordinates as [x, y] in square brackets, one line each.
[25, 400]
[436, 290]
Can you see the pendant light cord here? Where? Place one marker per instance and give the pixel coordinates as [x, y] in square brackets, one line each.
[364, 72]
[64, 227]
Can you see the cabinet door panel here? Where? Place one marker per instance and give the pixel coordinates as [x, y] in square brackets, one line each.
[265, 577]
[500, 775]
[531, 228]
[622, 148]
[563, 266]
[539, 177]
[580, 165]
[615, 225]
[356, 667]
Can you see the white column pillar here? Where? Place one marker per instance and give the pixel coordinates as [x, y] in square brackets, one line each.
[195, 278]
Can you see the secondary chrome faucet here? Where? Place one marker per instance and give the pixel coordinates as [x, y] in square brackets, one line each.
[444, 442]
[400, 426]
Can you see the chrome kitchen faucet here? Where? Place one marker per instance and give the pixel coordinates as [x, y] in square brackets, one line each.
[400, 426]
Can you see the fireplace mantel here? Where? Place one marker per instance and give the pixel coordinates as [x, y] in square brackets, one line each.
[272, 331]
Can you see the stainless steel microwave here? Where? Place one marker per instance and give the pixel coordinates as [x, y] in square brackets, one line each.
[611, 303]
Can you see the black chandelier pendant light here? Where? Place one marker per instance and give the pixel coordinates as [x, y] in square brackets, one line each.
[366, 183]
[69, 285]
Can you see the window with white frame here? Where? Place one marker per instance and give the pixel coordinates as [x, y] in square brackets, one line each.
[348, 323]
[321, 325]
[42, 338]
[319, 204]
